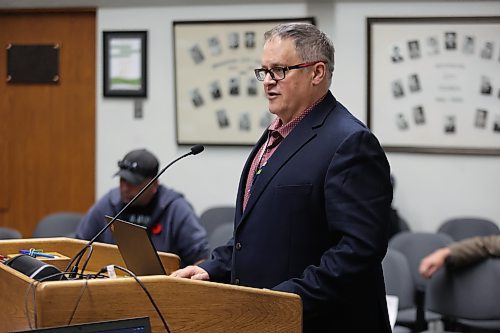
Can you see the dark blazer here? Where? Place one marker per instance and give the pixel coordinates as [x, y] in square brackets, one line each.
[316, 223]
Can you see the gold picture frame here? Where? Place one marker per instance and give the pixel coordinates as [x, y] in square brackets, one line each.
[431, 84]
[218, 99]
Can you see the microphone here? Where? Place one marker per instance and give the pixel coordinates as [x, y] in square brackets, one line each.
[195, 150]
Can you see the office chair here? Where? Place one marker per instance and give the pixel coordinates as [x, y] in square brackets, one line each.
[415, 246]
[399, 282]
[465, 227]
[467, 297]
[214, 217]
[9, 233]
[401, 329]
[60, 224]
[220, 235]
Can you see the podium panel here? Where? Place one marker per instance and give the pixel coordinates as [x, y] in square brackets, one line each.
[186, 305]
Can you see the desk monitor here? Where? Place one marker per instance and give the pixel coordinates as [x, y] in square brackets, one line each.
[131, 325]
[136, 248]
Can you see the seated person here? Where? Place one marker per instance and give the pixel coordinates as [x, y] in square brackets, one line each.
[170, 219]
[397, 223]
[467, 251]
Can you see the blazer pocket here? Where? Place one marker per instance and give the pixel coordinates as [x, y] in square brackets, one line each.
[293, 201]
[295, 189]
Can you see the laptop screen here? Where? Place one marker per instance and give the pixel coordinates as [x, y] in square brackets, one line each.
[131, 325]
[136, 248]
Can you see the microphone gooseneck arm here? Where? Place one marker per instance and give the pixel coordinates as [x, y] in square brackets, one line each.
[194, 151]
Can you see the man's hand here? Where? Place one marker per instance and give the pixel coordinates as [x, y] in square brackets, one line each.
[434, 261]
[191, 272]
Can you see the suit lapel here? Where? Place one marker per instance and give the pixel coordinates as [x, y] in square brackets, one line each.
[303, 133]
[243, 179]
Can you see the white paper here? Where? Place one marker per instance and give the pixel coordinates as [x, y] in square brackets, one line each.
[392, 309]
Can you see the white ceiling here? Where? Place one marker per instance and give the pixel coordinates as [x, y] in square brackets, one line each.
[6, 4]
[130, 3]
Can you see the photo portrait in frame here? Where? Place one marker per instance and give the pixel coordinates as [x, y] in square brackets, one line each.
[218, 100]
[125, 63]
[430, 84]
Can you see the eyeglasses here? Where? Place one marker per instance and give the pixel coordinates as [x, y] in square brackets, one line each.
[127, 165]
[278, 73]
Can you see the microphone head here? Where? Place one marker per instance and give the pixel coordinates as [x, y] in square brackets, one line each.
[197, 149]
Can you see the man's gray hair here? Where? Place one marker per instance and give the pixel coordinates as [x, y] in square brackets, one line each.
[311, 43]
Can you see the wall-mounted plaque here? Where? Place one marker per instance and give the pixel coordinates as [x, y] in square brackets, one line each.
[33, 63]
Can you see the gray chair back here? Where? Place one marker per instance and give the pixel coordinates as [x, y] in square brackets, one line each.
[415, 246]
[60, 224]
[9, 233]
[220, 235]
[398, 279]
[469, 295]
[215, 217]
[461, 228]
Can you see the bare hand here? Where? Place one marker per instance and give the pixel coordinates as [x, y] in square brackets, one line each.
[434, 261]
[191, 272]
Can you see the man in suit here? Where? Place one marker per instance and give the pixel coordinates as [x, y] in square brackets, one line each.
[314, 197]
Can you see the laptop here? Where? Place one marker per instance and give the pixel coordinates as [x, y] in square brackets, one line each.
[136, 248]
[131, 325]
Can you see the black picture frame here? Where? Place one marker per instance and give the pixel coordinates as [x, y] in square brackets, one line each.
[426, 78]
[125, 52]
[218, 100]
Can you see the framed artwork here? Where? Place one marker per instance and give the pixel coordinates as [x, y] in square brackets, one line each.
[125, 63]
[218, 100]
[433, 84]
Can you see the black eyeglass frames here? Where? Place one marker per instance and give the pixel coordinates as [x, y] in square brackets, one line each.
[278, 72]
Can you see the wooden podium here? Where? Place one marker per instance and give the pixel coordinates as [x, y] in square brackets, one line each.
[186, 305]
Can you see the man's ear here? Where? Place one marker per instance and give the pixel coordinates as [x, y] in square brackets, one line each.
[319, 73]
[155, 185]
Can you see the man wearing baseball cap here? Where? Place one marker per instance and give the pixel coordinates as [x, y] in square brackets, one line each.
[170, 219]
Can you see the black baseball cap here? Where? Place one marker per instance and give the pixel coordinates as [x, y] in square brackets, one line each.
[137, 166]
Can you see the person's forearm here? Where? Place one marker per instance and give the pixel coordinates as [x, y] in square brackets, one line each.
[472, 250]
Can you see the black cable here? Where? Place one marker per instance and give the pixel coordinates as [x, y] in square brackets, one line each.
[147, 293]
[35, 283]
[78, 301]
[91, 250]
[95, 276]
[26, 310]
[32, 284]
[77, 258]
